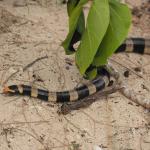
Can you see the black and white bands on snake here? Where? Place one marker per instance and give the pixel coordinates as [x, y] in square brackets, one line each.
[136, 45]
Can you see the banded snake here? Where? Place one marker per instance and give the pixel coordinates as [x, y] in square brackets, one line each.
[136, 45]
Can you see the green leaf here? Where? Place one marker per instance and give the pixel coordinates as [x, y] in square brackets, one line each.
[120, 20]
[115, 0]
[76, 23]
[91, 74]
[71, 4]
[97, 23]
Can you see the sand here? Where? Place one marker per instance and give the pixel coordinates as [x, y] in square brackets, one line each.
[31, 30]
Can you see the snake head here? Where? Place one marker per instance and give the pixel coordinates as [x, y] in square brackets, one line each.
[10, 89]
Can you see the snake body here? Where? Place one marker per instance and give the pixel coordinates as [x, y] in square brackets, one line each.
[136, 45]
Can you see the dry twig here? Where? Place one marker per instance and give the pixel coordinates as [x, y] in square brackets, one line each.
[24, 68]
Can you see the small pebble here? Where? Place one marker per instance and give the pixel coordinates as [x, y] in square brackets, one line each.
[126, 74]
[137, 69]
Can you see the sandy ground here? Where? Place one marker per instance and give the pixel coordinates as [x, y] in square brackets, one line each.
[28, 32]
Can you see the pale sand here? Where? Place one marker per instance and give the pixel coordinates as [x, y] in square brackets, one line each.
[113, 123]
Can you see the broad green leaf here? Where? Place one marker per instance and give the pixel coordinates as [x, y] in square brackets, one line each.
[97, 24]
[76, 22]
[120, 20]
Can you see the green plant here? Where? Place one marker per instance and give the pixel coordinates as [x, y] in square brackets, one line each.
[106, 28]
